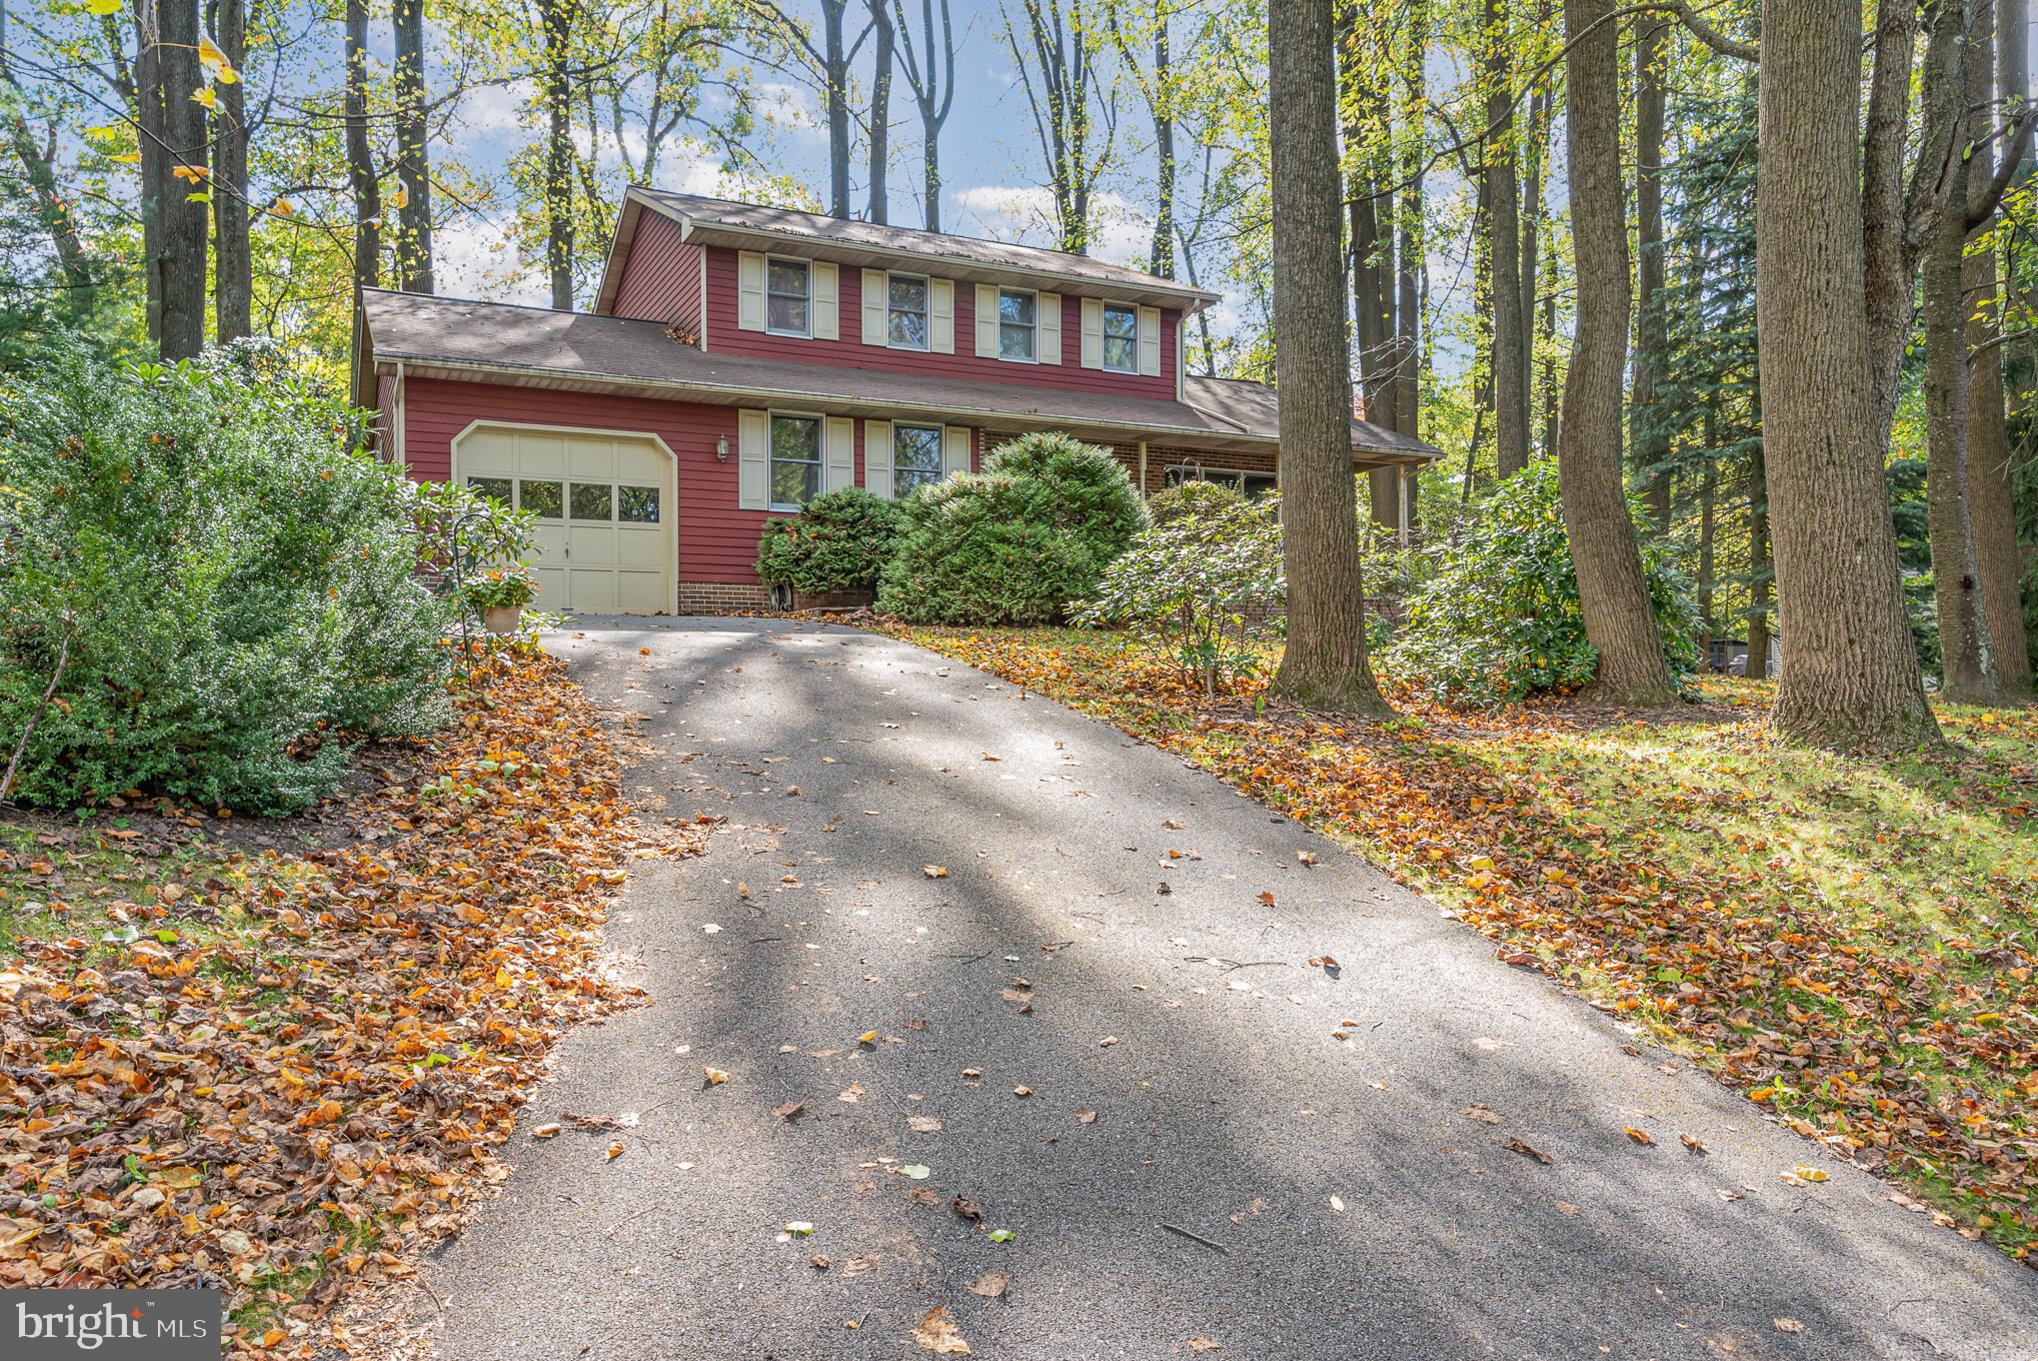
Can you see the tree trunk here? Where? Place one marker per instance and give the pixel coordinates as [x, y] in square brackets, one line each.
[1651, 439]
[1707, 489]
[1891, 258]
[182, 263]
[233, 299]
[155, 160]
[835, 104]
[1967, 671]
[557, 17]
[1991, 493]
[881, 111]
[1325, 664]
[1612, 592]
[1546, 343]
[1850, 676]
[1161, 258]
[1510, 329]
[361, 176]
[1408, 303]
[1531, 228]
[1761, 570]
[52, 208]
[413, 157]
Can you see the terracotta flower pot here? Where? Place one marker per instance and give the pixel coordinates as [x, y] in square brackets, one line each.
[502, 618]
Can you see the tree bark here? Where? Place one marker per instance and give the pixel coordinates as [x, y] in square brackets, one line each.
[1991, 492]
[879, 198]
[557, 18]
[930, 74]
[413, 157]
[155, 160]
[835, 104]
[1531, 231]
[1850, 676]
[361, 177]
[182, 262]
[1510, 359]
[1161, 258]
[233, 299]
[1967, 670]
[1324, 665]
[1613, 595]
[1761, 570]
[1651, 439]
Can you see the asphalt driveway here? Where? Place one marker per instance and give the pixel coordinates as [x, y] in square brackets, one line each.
[1195, 1139]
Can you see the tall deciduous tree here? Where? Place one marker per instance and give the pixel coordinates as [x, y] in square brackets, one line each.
[1613, 595]
[1651, 442]
[232, 253]
[1325, 662]
[1849, 673]
[1056, 59]
[930, 75]
[362, 178]
[413, 156]
[880, 122]
[169, 32]
[1503, 207]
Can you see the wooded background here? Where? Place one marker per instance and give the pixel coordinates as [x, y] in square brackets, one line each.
[1549, 217]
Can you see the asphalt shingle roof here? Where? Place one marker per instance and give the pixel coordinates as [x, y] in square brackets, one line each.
[579, 347]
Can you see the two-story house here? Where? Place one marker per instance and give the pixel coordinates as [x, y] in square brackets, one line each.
[740, 360]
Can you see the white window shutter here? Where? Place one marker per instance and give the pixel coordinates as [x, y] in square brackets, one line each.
[827, 300]
[873, 307]
[877, 459]
[1093, 334]
[838, 434]
[753, 460]
[749, 291]
[987, 321]
[954, 450]
[1181, 354]
[941, 315]
[1150, 341]
[1047, 336]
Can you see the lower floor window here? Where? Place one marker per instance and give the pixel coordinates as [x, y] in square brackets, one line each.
[916, 458]
[795, 460]
[1249, 484]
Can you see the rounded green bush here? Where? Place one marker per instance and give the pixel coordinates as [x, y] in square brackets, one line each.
[838, 542]
[1016, 543]
[1206, 500]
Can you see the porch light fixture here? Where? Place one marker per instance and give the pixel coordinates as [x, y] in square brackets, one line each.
[722, 448]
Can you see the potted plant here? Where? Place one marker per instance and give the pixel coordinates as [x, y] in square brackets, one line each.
[499, 596]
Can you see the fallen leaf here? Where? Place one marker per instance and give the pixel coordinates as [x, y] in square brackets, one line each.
[615, 1150]
[1809, 1173]
[923, 1124]
[1022, 1091]
[1266, 898]
[1529, 1150]
[1695, 1145]
[1566, 1207]
[800, 1228]
[937, 1333]
[1640, 1136]
[1086, 1115]
[917, 1171]
[867, 1037]
[1482, 1114]
[789, 1109]
[991, 1284]
[1001, 1235]
[546, 1131]
[1787, 1325]
[1204, 1344]
[715, 1077]
[861, 1265]
[967, 1208]
[935, 871]
[819, 1261]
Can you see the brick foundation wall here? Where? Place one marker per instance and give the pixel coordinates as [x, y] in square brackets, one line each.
[721, 597]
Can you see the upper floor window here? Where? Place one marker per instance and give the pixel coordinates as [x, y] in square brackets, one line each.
[1121, 338]
[1016, 312]
[916, 458]
[789, 287]
[906, 311]
[795, 460]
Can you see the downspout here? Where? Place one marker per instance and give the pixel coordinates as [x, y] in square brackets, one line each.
[1142, 470]
[397, 421]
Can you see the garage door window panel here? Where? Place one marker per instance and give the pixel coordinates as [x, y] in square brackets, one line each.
[637, 505]
[594, 501]
[546, 500]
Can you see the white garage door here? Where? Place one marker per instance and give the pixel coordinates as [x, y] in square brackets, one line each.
[606, 541]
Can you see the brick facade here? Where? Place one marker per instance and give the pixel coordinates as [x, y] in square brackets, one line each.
[722, 597]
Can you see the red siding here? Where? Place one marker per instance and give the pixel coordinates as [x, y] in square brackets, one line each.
[849, 350]
[717, 541]
[662, 276]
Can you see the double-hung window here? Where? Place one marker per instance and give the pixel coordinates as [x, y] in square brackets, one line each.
[906, 311]
[795, 460]
[789, 291]
[1251, 485]
[916, 458]
[1017, 310]
[1121, 338]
